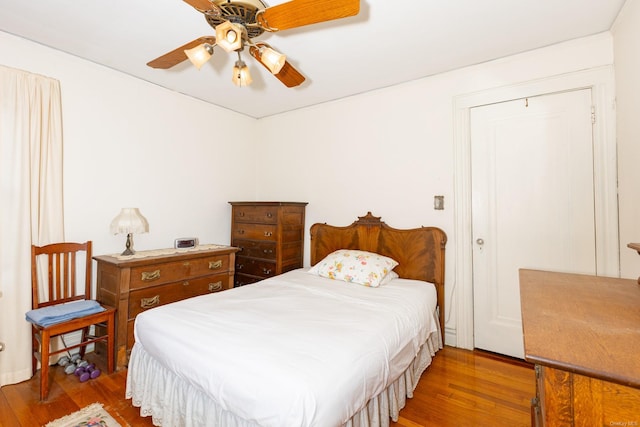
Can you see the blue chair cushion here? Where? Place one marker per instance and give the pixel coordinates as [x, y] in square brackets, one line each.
[47, 316]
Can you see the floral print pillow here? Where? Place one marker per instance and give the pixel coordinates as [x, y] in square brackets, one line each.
[361, 267]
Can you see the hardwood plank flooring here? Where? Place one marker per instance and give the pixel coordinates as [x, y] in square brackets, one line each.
[460, 388]
[471, 388]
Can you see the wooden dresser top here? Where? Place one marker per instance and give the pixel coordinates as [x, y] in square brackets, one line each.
[584, 324]
[165, 255]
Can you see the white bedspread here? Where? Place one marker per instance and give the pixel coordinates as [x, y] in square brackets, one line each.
[293, 350]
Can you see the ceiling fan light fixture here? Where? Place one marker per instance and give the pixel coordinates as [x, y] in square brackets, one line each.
[200, 54]
[229, 36]
[273, 60]
[241, 76]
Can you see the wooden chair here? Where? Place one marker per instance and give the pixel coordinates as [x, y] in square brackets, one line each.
[61, 276]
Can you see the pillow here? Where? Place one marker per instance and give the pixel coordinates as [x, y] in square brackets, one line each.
[361, 267]
[389, 277]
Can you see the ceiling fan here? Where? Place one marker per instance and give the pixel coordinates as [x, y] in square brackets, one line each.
[238, 22]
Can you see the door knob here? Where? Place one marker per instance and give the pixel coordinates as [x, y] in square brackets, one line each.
[480, 242]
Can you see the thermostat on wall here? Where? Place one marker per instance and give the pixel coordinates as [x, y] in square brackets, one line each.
[185, 242]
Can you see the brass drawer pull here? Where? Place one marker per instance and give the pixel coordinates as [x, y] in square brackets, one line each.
[268, 234]
[214, 265]
[239, 266]
[147, 276]
[241, 213]
[217, 286]
[268, 251]
[241, 231]
[269, 215]
[266, 270]
[150, 302]
[185, 283]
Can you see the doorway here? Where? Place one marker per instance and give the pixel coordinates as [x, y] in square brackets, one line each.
[532, 204]
[460, 327]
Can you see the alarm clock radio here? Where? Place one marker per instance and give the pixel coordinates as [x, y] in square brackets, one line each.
[185, 242]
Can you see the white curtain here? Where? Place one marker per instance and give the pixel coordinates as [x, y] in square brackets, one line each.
[31, 204]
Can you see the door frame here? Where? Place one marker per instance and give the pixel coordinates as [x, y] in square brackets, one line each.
[601, 83]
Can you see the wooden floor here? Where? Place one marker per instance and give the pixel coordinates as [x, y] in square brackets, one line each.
[460, 388]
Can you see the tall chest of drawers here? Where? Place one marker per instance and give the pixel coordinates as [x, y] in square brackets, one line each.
[270, 236]
[135, 284]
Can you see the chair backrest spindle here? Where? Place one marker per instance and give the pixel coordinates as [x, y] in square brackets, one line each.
[62, 273]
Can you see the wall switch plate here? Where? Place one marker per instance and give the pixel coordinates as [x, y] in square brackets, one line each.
[438, 203]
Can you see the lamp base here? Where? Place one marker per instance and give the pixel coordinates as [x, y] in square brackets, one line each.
[129, 246]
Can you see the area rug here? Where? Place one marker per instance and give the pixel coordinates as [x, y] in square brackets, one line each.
[92, 415]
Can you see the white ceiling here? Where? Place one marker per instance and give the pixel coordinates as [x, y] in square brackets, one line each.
[387, 43]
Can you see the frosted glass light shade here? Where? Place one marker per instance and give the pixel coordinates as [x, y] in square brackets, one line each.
[241, 75]
[229, 36]
[272, 59]
[200, 54]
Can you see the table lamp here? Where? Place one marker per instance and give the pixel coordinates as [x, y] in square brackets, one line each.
[129, 221]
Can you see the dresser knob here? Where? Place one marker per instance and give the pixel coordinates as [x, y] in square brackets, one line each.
[239, 266]
[266, 270]
[268, 234]
[269, 215]
[240, 231]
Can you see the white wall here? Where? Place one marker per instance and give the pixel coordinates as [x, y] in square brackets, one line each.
[626, 37]
[128, 143]
[390, 151]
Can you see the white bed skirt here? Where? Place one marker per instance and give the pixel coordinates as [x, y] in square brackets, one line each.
[171, 401]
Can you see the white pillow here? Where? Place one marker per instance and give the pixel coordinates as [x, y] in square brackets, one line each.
[389, 277]
[353, 266]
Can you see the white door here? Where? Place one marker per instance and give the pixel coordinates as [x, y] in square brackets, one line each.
[532, 204]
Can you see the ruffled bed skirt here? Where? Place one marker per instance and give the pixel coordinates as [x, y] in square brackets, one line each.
[170, 401]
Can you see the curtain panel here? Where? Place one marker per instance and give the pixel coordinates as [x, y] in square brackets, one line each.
[31, 202]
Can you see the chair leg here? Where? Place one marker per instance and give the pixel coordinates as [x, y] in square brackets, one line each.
[44, 366]
[82, 350]
[34, 351]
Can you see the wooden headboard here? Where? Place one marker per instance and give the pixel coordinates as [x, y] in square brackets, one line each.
[419, 251]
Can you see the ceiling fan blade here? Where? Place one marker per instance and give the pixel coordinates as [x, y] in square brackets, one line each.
[297, 13]
[176, 56]
[288, 75]
[203, 5]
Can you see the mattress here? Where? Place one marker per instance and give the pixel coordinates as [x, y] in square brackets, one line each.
[295, 349]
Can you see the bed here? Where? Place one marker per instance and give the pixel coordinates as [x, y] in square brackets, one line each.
[320, 346]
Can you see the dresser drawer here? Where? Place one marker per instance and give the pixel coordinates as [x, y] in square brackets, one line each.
[257, 214]
[245, 279]
[156, 274]
[255, 232]
[255, 267]
[144, 299]
[257, 249]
